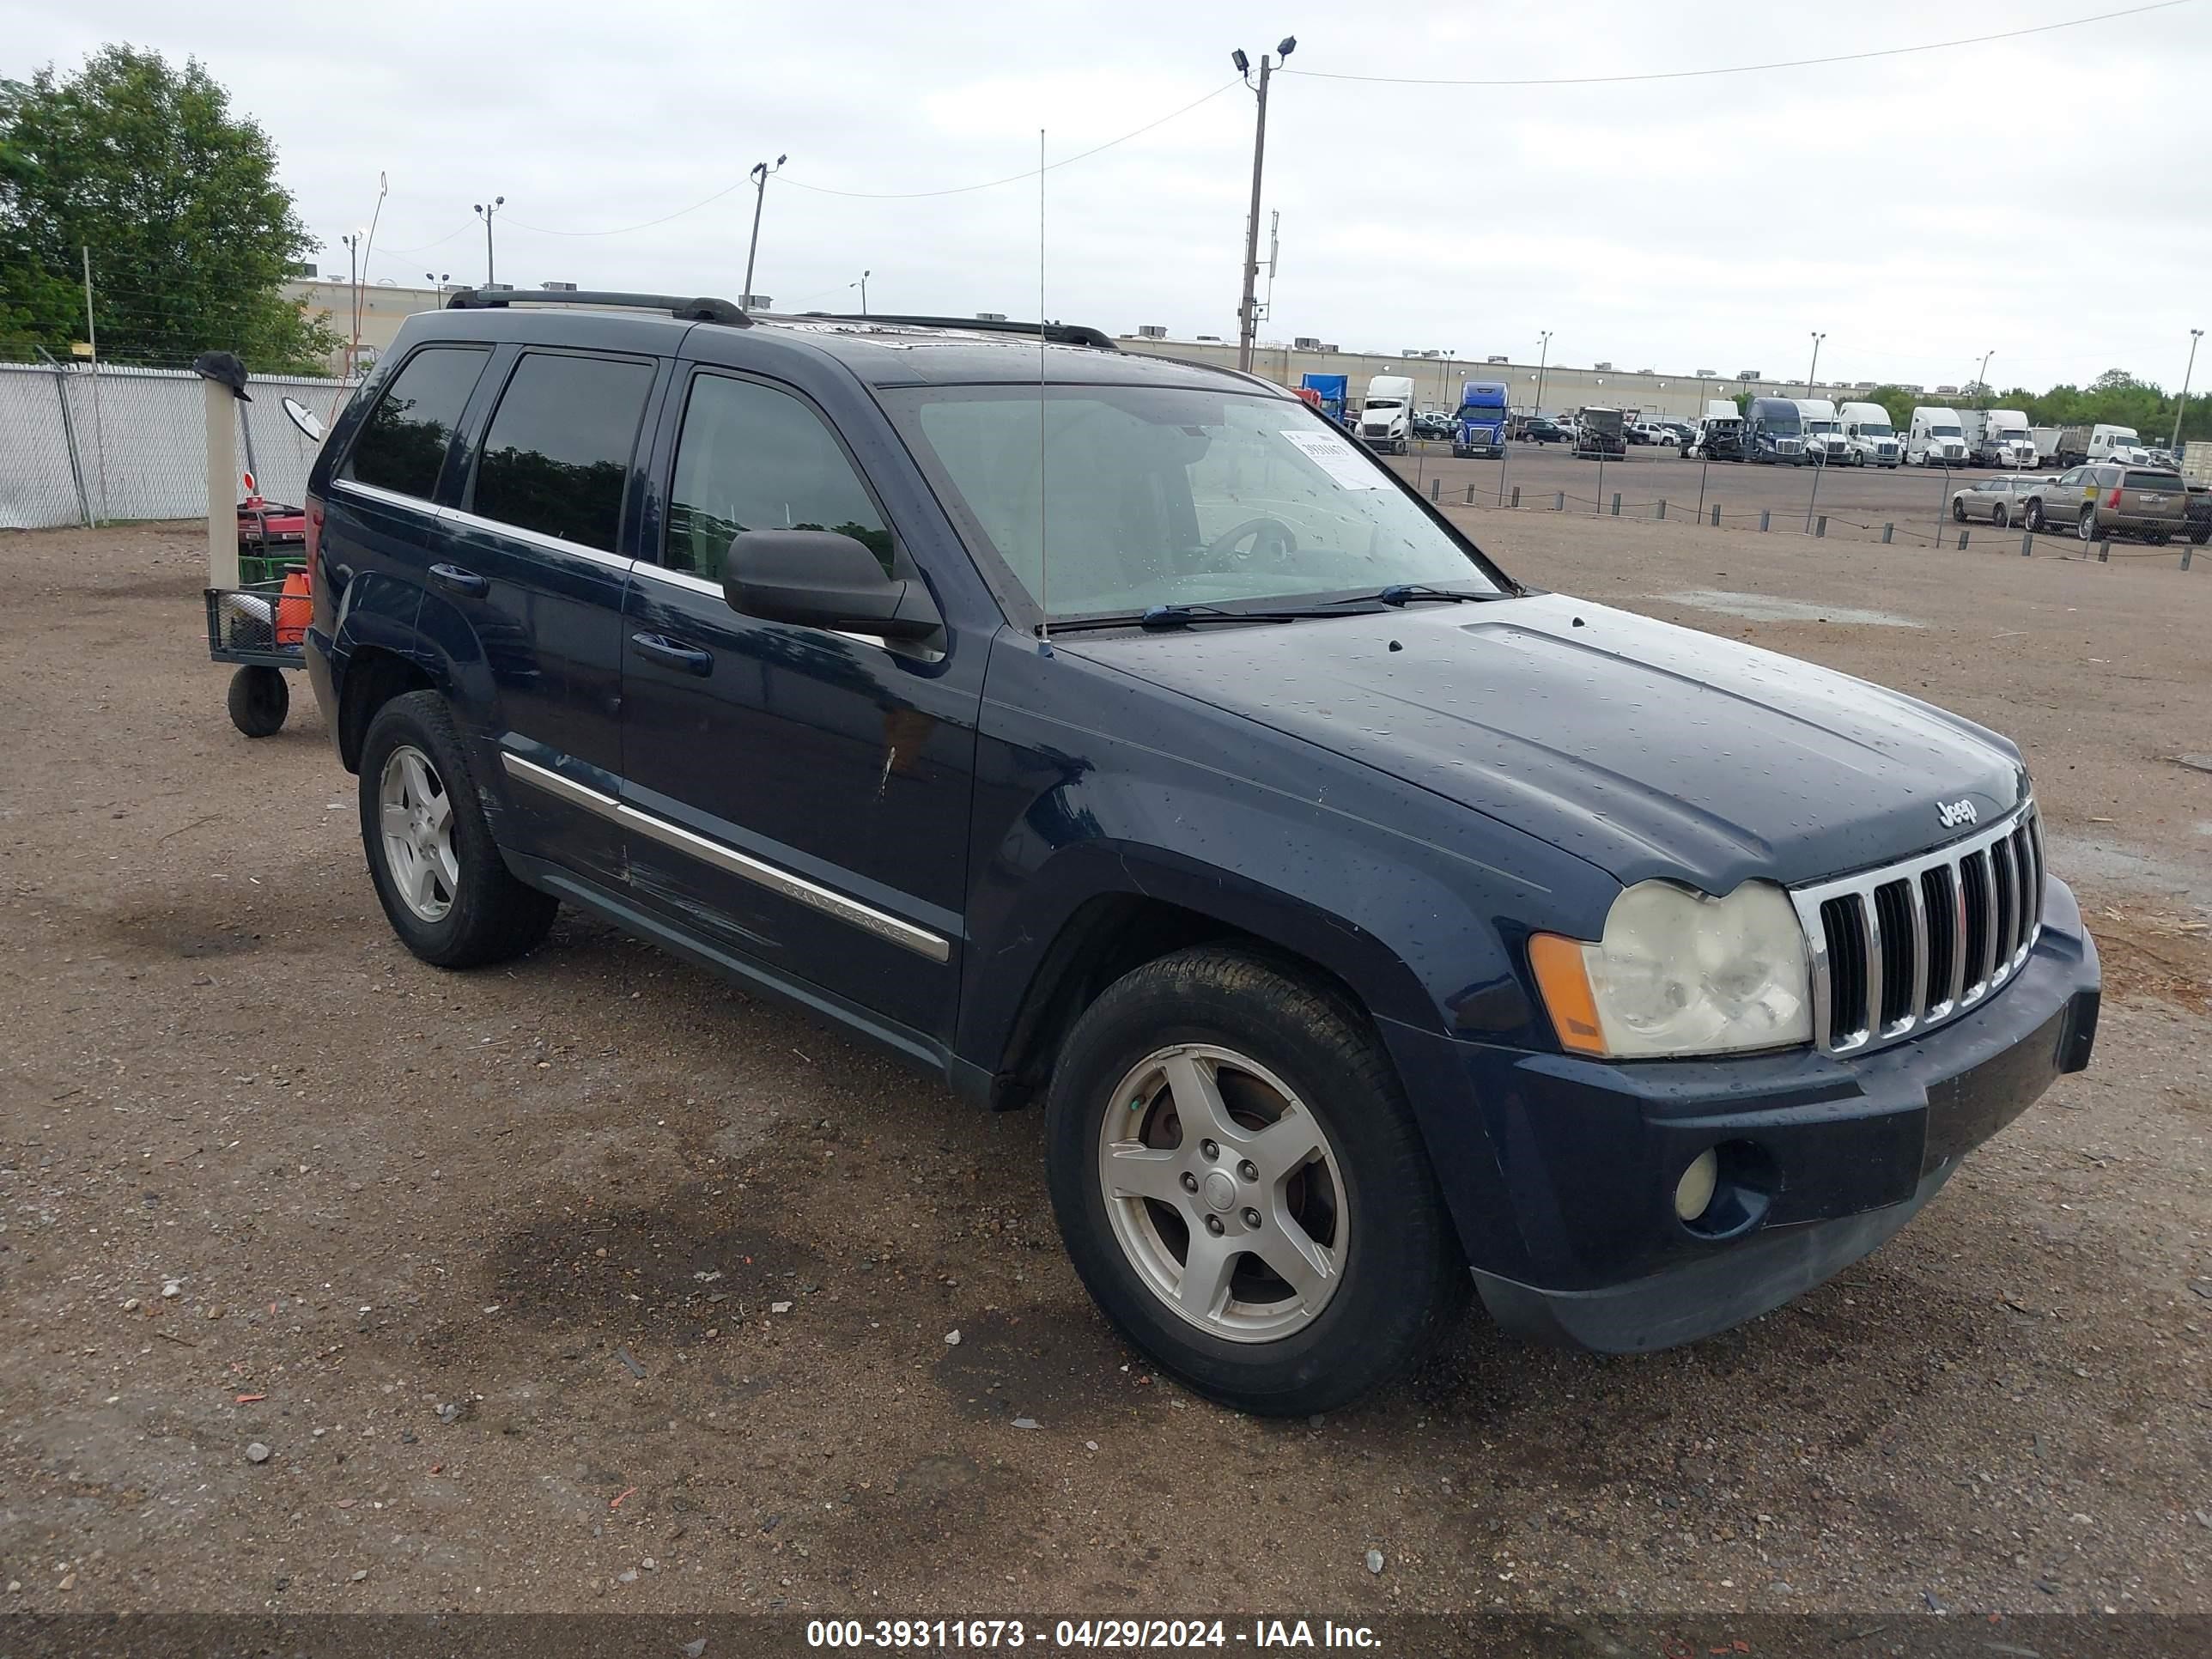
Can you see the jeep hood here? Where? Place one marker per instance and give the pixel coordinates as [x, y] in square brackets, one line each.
[1647, 749]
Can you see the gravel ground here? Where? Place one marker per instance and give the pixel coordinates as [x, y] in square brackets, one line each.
[333, 1282]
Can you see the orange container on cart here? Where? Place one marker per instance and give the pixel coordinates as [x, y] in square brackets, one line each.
[294, 606]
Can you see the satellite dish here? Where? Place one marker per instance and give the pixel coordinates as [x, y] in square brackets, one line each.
[302, 418]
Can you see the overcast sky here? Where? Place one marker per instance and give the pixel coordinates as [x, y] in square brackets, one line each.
[2043, 197]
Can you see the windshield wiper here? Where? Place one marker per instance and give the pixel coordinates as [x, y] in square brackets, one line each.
[1158, 618]
[1401, 593]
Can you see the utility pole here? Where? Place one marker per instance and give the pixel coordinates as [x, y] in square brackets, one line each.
[352, 240]
[1247, 316]
[2195, 335]
[486, 213]
[1543, 361]
[762, 172]
[1812, 373]
[1982, 375]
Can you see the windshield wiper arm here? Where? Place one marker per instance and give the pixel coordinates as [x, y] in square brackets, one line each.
[1158, 618]
[1400, 592]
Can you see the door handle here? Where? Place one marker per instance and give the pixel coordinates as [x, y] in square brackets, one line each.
[454, 579]
[674, 653]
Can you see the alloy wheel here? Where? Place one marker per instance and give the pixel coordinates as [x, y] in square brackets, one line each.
[416, 814]
[1224, 1192]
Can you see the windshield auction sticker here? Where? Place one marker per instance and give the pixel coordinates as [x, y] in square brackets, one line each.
[1346, 465]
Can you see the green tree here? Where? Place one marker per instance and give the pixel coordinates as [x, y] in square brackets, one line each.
[191, 236]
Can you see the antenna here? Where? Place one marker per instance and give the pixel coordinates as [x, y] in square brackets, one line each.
[1044, 562]
[1275, 247]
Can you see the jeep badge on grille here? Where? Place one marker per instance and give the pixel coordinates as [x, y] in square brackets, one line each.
[1953, 813]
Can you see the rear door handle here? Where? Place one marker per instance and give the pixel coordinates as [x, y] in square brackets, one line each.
[674, 653]
[454, 579]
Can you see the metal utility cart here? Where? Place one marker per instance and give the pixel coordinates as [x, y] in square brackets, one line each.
[256, 595]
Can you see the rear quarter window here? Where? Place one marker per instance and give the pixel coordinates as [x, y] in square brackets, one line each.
[2155, 480]
[402, 445]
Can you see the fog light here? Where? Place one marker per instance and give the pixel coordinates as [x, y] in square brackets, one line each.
[1694, 1191]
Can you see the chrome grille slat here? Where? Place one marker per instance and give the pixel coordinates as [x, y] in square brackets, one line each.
[1988, 887]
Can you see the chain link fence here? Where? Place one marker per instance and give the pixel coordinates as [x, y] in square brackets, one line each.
[83, 446]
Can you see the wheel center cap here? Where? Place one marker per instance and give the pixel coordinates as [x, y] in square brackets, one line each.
[1220, 1193]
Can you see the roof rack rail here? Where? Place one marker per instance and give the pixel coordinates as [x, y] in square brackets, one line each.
[702, 310]
[1080, 334]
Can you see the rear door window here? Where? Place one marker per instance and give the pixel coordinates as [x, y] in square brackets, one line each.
[2167, 481]
[402, 445]
[557, 457]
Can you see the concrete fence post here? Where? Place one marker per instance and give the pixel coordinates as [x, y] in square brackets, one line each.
[1962, 540]
[1436, 488]
[2104, 552]
[1558, 500]
[1516, 494]
[1717, 515]
[1616, 503]
[1819, 527]
[1470, 495]
[2187, 548]
[1662, 511]
[1766, 518]
[2026, 545]
[1887, 531]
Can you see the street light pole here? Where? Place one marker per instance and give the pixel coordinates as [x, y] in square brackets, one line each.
[486, 212]
[1982, 375]
[1812, 373]
[863, 286]
[2195, 335]
[1247, 315]
[1543, 360]
[761, 172]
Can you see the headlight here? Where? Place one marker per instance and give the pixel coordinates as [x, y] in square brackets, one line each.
[1678, 973]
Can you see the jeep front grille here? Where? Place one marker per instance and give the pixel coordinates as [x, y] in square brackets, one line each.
[1912, 944]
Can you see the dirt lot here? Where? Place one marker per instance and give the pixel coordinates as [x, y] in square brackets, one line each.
[491, 1264]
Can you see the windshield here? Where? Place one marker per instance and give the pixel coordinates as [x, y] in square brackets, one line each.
[1943, 431]
[1783, 423]
[1383, 402]
[1172, 495]
[1823, 426]
[1876, 429]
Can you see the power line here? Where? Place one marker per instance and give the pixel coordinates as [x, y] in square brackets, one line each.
[1031, 173]
[1743, 68]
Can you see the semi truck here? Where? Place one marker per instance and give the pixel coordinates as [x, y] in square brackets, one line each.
[1774, 433]
[1598, 433]
[1331, 389]
[2102, 442]
[1869, 435]
[1822, 433]
[1479, 430]
[1997, 437]
[1386, 419]
[1720, 433]
[1936, 438]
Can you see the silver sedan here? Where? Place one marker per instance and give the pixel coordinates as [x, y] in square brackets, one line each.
[1997, 500]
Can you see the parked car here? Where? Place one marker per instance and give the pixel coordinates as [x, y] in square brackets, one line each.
[1654, 433]
[2000, 501]
[1540, 429]
[2108, 499]
[738, 635]
[1433, 424]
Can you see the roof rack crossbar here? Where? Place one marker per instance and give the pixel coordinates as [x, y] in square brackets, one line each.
[1080, 334]
[703, 309]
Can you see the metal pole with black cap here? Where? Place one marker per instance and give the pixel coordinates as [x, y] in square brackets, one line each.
[223, 384]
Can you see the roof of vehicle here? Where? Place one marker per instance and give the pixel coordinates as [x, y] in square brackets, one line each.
[880, 351]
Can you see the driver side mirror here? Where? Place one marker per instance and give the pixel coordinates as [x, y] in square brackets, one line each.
[823, 579]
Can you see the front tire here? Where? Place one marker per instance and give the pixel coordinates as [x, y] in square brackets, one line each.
[2035, 516]
[1240, 1184]
[1957, 511]
[2084, 524]
[445, 889]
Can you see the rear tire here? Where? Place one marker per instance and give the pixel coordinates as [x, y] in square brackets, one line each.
[1999, 517]
[259, 701]
[438, 873]
[2035, 516]
[2084, 524]
[1221, 1048]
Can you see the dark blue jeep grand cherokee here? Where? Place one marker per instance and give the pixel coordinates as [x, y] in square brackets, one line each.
[1105, 730]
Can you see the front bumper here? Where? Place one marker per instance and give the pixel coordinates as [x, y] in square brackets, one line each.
[1824, 1157]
